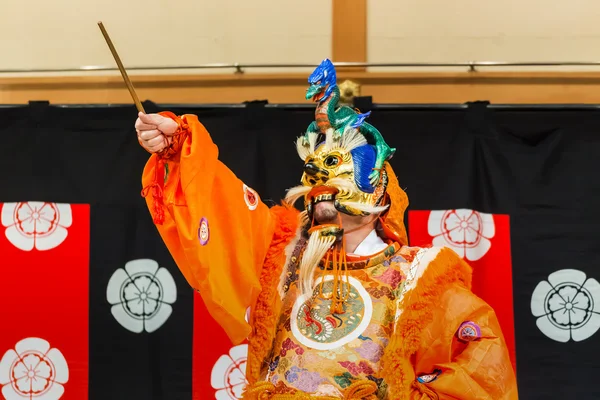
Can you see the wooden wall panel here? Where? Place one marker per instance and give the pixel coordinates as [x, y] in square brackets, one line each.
[160, 88]
[349, 31]
[498, 87]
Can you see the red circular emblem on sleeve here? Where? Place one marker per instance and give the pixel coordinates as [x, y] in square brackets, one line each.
[250, 197]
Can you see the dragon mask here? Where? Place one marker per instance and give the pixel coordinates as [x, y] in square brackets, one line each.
[345, 158]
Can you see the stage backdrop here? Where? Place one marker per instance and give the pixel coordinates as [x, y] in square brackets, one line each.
[94, 307]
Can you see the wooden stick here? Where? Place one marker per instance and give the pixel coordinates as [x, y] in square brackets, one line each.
[134, 96]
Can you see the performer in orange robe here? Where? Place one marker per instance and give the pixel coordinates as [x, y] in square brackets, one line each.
[334, 302]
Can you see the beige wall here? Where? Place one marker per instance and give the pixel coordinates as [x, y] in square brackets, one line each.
[483, 30]
[64, 33]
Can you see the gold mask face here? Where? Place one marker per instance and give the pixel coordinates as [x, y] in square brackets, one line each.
[335, 170]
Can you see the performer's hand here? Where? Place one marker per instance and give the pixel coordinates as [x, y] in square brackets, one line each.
[154, 131]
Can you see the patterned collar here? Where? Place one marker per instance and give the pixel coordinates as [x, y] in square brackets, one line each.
[361, 262]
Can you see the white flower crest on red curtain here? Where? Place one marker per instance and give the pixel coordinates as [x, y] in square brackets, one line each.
[228, 375]
[36, 224]
[33, 371]
[467, 232]
[141, 295]
[567, 306]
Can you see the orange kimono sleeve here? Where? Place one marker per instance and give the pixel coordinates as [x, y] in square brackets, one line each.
[216, 228]
[463, 354]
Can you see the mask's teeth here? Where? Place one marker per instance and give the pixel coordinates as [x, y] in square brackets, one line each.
[322, 197]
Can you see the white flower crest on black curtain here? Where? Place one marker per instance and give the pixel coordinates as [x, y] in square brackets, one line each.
[141, 295]
[567, 306]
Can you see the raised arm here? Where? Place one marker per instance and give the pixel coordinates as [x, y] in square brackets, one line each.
[216, 228]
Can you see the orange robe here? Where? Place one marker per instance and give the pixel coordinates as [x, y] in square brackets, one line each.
[233, 249]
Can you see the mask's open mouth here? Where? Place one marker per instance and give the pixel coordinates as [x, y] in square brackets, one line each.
[319, 96]
[321, 193]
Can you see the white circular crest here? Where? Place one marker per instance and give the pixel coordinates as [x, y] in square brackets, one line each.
[567, 306]
[36, 224]
[141, 295]
[467, 232]
[319, 329]
[33, 370]
[228, 375]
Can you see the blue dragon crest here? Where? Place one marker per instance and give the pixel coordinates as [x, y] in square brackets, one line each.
[323, 76]
[329, 114]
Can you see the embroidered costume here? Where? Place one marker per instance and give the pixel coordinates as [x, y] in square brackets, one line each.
[389, 321]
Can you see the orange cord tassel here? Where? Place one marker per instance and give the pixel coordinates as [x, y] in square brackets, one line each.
[158, 214]
[340, 271]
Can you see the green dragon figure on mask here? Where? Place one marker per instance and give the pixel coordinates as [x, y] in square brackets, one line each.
[324, 91]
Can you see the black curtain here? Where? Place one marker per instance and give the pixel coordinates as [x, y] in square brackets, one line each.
[539, 165]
